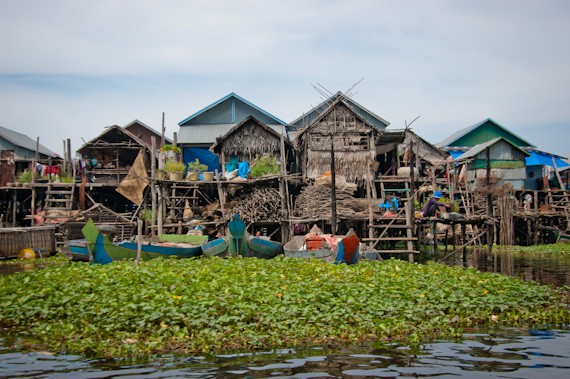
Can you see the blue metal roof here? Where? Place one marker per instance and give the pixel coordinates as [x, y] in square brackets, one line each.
[542, 158]
[230, 95]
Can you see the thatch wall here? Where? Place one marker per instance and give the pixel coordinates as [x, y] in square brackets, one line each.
[353, 139]
[250, 140]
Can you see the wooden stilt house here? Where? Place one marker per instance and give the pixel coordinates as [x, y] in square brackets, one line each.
[261, 203]
[341, 132]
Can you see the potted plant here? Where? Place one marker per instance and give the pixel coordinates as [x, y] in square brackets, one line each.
[195, 169]
[171, 151]
[174, 169]
[24, 177]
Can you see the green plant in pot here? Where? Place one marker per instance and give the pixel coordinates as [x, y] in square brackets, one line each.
[24, 177]
[174, 169]
[195, 169]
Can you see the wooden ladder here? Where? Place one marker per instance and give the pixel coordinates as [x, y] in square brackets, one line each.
[559, 200]
[59, 200]
[180, 195]
[394, 230]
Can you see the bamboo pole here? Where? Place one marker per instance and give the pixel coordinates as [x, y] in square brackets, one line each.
[333, 189]
[282, 189]
[153, 184]
[139, 241]
[490, 227]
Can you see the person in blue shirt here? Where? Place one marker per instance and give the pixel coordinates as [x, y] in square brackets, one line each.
[433, 205]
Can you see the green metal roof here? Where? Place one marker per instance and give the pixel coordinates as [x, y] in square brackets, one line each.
[469, 137]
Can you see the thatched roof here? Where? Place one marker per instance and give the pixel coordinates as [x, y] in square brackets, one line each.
[250, 136]
[425, 150]
[353, 139]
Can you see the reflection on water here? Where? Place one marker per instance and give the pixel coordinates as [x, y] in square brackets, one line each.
[546, 269]
[537, 354]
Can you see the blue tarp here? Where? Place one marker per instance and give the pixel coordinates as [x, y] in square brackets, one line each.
[539, 158]
[455, 154]
[204, 155]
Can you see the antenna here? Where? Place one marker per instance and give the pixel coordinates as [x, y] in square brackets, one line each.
[408, 125]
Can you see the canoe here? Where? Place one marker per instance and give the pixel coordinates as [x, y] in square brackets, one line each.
[346, 250]
[295, 249]
[239, 243]
[76, 250]
[104, 251]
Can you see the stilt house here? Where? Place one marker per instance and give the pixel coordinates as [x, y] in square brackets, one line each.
[252, 138]
[340, 131]
[506, 160]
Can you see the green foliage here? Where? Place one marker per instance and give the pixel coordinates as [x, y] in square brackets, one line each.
[172, 165]
[264, 165]
[67, 179]
[24, 176]
[446, 200]
[146, 214]
[196, 166]
[208, 305]
[173, 148]
[550, 249]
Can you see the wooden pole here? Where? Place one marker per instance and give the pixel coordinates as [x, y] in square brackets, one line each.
[490, 227]
[410, 204]
[163, 132]
[69, 161]
[282, 189]
[333, 189]
[139, 241]
[153, 185]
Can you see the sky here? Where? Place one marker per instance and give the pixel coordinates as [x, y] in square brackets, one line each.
[68, 68]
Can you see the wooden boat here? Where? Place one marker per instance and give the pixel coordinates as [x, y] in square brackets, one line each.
[104, 251]
[296, 248]
[337, 249]
[238, 242]
[76, 250]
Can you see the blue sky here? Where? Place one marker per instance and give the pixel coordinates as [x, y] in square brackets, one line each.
[68, 68]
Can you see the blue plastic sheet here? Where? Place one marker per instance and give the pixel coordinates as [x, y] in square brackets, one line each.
[204, 155]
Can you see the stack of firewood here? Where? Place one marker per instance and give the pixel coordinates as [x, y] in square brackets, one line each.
[314, 202]
[261, 204]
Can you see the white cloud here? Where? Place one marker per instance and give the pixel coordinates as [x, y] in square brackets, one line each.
[86, 64]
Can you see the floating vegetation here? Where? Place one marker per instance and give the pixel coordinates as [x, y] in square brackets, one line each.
[207, 305]
[553, 248]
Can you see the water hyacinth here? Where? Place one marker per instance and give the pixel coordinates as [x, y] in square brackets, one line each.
[202, 305]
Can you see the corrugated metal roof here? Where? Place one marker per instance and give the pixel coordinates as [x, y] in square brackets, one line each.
[25, 142]
[457, 135]
[207, 134]
[168, 140]
[230, 95]
[482, 146]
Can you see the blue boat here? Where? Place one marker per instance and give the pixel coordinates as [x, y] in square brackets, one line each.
[76, 250]
[239, 243]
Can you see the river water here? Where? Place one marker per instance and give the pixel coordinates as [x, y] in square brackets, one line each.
[503, 353]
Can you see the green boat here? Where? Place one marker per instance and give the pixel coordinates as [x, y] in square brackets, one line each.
[239, 243]
[104, 251]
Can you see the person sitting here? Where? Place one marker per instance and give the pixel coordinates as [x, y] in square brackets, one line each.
[433, 205]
